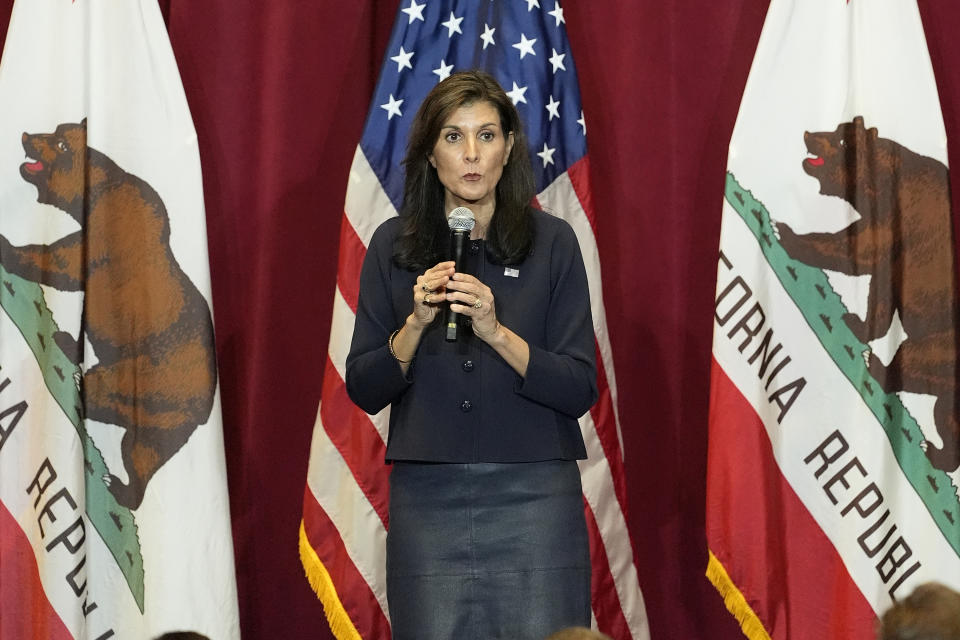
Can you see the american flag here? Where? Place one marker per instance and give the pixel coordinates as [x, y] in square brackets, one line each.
[343, 533]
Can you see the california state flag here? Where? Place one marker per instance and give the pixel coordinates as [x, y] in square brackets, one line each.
[834, 423]
[114, 518]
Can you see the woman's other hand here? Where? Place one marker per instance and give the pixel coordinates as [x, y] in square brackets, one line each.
[429, 291]
[470, 297]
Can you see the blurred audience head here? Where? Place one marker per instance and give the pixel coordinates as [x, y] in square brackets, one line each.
[930, 612]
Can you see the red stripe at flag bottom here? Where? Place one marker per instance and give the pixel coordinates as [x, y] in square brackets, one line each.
[757, 527]
[26, 611]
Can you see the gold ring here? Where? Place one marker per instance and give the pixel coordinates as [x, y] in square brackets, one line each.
[478, 303]
[424, 287]
[426, 298]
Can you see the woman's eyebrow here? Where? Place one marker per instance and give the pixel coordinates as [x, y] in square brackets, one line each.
[485, 124]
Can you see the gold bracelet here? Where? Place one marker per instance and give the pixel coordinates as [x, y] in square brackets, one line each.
[394, 353]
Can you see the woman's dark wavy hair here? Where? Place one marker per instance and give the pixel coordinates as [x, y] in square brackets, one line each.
[424, 236]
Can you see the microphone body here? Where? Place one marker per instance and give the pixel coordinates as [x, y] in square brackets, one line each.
[461, 223]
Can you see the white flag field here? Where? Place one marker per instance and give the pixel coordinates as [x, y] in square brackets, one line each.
[834, 423]
[114, 518]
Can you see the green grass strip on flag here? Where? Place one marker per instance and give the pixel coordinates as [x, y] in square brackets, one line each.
[24, 303]
[823, 310]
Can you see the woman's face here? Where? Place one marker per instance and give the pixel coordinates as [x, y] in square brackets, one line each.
[470, 154]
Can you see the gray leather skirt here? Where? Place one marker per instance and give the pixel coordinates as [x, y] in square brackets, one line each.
[483, 551]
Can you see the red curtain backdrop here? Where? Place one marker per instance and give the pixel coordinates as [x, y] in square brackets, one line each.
[279, 91]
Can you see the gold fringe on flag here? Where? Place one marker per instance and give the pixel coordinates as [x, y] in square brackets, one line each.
[736, 603]
[340, 623]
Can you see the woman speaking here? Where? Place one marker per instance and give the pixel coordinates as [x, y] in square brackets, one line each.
[486, 537]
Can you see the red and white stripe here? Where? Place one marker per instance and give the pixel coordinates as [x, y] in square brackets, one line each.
[768, 542]
[27, 612]
[345, 502]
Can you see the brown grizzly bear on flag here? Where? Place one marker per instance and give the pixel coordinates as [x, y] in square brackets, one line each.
[149, 326]
[904, 241]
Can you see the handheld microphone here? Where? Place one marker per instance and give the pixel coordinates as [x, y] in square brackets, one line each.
[461, 223]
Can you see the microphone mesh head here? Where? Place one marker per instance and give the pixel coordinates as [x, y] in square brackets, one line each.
[461, 218]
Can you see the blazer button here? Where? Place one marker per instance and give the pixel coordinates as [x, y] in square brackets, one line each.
[466, 406]
[474, 247]
[467, 365]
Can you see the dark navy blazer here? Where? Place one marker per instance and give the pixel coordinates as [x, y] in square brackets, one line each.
[460, 401]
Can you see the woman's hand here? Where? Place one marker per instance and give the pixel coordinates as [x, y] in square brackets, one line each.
[430, 291]
[470, 297]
